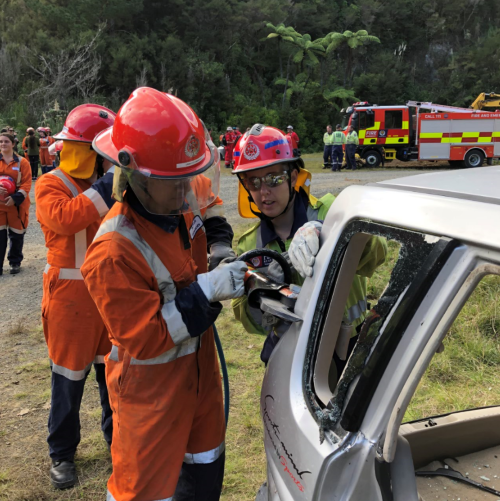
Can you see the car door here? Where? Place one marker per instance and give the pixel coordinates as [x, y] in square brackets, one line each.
[321, 429]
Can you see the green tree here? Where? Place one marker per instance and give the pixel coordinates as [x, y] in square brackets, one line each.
[352, 41]
[282, 34]
[339, 98]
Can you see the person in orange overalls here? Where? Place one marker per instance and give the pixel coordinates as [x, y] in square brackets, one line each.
[70, 202]
[147, 272]
[45, 142]
[14, 204]
[228, 140]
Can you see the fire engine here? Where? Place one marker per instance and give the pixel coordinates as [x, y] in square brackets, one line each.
[424, 131]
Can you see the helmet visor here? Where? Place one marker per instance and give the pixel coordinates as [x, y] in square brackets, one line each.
[177, 195]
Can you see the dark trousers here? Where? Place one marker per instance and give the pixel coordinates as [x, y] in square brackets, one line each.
[64, 415]
[34, 159]
[337, 157]
[201, 482]
[15, 255]
[327, 155]
[350, 155]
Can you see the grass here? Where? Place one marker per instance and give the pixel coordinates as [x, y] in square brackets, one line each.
[465, 375]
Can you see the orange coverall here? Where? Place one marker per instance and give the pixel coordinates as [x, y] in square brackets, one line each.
[16, 218]
[163, 381]
[45, 158]
[229, 147]
[70, 218]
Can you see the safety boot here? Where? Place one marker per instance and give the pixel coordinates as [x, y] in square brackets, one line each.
[15, 269]
[63, 474]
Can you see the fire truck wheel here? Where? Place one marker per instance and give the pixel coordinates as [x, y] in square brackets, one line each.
[489, 161]
[373, 158]
[473, 158]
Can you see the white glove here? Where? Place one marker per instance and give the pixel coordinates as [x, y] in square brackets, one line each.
[304, 247]
[218, 252]
[225, 282]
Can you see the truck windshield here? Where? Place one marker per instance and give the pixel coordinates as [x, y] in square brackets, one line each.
[345, 120]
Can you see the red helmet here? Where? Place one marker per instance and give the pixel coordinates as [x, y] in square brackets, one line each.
[261, 147]
[158, 137]
[8, 183]
[56, 147]
[84, 122]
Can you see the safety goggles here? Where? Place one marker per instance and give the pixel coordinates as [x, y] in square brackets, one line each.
[271, 180]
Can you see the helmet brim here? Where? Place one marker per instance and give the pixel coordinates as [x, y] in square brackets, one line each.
[265, 163]
[104, 146]
[63, 136]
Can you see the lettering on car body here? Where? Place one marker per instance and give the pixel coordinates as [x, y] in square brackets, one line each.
[285, 457]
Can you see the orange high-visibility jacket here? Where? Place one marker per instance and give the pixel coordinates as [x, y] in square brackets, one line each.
[70, 218]
[45, 142]
[163, 381]
[16, 218]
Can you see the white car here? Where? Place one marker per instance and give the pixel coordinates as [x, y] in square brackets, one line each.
[342, 438]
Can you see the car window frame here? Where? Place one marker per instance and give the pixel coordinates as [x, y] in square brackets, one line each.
[330, 416]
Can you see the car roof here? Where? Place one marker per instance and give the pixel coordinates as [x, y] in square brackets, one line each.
[460, 204]
[479, 184]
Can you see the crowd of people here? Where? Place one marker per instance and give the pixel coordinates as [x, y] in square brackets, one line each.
[335, 144]
[129, 218]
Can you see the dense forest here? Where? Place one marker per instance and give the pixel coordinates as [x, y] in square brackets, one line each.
[237, 62]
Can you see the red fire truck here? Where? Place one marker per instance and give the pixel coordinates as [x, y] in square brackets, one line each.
[424, 131]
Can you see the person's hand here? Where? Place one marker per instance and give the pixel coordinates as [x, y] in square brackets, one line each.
[9, 202]
[219, 252]
[225, 282]
[304, 247]
[3, 191]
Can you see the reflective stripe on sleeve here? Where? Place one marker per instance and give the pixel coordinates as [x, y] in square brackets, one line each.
[205, 457]
[215, 211]
[66, 273]
[110, 497]
[186, 348]
[356, 310]
[71, 187]
[97, 200]
[176, 326]
[80, 247]
[68, 373]
[99, 359]
[312, 214]
[3, 227]
[19, 232]
[114, 354]
[23, 192]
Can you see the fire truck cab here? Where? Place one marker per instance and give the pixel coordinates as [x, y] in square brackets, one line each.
[383, 131]
[424, 131]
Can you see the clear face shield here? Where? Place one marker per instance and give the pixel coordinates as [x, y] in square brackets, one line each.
[174, 195]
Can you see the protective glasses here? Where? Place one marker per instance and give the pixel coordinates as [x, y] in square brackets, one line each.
[271, 180]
